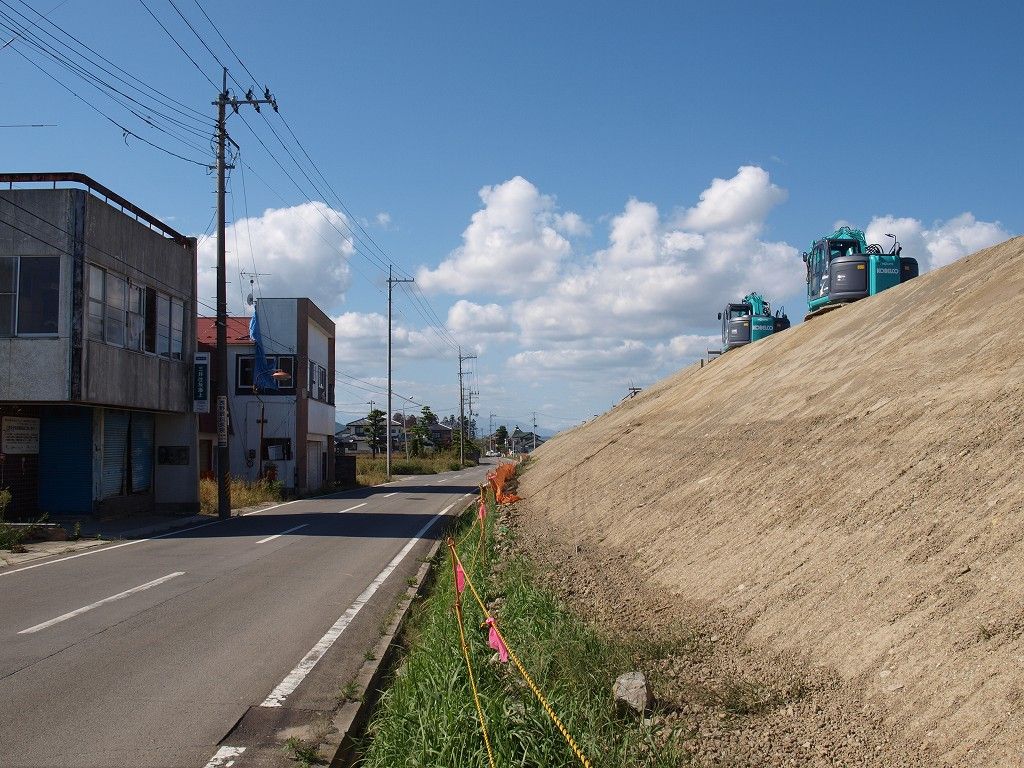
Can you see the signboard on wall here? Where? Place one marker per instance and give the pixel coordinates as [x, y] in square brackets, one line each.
[20, 435]
[201, 383]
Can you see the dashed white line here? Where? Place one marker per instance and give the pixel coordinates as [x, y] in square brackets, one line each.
[297, 675]
[282, 533]
[98, 603]
[225, 757]
[389, 495]
[357, 506]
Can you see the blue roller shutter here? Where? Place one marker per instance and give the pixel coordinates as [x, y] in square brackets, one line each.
[65, 461]
[142, 452]
[115, 453]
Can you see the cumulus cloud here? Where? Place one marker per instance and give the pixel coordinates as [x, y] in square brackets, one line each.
[512, 245]
[657, 278]
[362, 338]
[727, 203]
[940, 244]
[298, 251]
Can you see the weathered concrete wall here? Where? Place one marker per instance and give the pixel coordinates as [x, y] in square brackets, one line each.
[37, 368]
[176, 487]
[116, 376]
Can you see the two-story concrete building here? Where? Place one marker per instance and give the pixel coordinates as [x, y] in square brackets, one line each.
[285, 430]
[97, 300]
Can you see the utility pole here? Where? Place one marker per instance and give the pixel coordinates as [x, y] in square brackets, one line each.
[472, 430]
[462, 410]
[490, 429]
[391, 283]
[224, 99]
[535, 430]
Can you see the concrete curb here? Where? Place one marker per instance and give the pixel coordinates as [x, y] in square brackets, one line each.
[351, 718]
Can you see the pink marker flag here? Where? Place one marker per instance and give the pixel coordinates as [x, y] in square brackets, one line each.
[460, 578]
[494, 641]
[483, 510]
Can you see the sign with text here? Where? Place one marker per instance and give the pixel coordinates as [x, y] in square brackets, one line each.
[20, 434]
[201, 383]
[222, 421]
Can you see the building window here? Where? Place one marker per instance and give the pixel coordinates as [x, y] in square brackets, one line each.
[177, 321]
[321, 383]
[115, 318]
[244, 373]
[163, 325]
[95, 308]
[8, 294]
[136, 317]
[29, 295]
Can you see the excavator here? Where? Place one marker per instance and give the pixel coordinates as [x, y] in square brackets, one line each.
[842, 268]
[750, 320]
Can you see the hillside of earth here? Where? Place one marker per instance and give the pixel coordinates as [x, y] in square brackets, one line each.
[846, 496]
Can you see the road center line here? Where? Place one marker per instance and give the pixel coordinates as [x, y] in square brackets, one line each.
[297, 675]
[282, 533]
[357, 506]
[225, 757]
[98, 603]
[389, 495]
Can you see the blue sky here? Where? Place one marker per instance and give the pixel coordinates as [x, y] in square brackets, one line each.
[540, 166]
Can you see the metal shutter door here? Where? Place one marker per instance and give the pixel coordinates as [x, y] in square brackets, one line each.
[115, 453]
[142, 451]
[65, 462]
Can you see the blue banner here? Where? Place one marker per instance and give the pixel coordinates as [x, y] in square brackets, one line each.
[261, 369]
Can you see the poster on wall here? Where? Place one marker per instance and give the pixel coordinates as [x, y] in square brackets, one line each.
[20, 435]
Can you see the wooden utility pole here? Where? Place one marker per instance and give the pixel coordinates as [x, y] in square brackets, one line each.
[391, 283]
[224, 100]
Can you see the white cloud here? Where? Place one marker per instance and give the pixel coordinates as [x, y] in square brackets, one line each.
[941, 244]
[511, 246]
[298, 251]
[361, 338]
[383, 219]
[727, 203]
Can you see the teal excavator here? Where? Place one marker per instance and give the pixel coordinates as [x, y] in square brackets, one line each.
[842, 267]
[750, 320]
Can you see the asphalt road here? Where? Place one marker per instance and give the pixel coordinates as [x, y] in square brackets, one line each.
[159, 652]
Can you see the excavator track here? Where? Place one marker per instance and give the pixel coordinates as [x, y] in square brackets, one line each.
[822, 311]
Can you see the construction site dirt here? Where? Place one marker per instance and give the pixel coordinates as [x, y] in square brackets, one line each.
[834, 515]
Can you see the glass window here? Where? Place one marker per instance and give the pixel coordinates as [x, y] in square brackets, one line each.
[136, 317]
[163, 325]
[245, 366]
[115, 317]
[177, 321]
[95, 309]
[321, 383]
[8, 281]
[287, 364]
[38, 294]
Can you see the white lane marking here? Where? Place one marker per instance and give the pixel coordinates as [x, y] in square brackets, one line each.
[389, 495]
[225, 757]
[267, 509]
[297, 675]
[282, 533]
[357, 506]
[101, 550]
[98, 603]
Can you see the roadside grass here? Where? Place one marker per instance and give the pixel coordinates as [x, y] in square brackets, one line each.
[427, 715]
[372, 470]
[243, 494]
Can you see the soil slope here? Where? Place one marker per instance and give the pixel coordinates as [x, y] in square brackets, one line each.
[851, 491]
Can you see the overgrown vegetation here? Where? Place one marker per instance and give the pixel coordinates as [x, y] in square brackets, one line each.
[373, 470]
[10, 536]
[427, 716]
[243, 493]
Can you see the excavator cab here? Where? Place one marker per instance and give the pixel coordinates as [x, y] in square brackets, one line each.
[735, 325]
[749, 320]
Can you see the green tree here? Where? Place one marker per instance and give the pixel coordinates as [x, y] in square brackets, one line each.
[501, 437]
[375, 430]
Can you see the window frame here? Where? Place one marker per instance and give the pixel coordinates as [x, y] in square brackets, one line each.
[16, 304]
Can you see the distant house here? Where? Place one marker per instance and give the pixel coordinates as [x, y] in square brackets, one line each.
[355, 437]
[523, 442]
[285, 426]
[97, 300]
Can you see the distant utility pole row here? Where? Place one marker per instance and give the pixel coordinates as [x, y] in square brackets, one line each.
[462, 409]
[391, 284]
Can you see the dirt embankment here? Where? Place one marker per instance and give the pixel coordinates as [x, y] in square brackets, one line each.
[849, 493]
